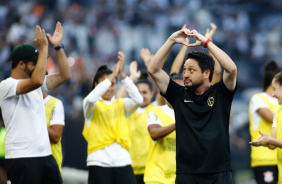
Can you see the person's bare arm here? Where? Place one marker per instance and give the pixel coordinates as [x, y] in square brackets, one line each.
[266, 114]
[159, 76]
[38, 75]
[217, 68]
[55, 133]
[55, 80]
[273, 135]
[179, 59]
[230, 69]
[157, 131]
[266, 140]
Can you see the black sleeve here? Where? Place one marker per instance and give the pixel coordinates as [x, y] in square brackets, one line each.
[171, 91]
[226, 92]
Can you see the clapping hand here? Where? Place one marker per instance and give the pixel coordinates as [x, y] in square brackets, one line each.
[121, 61]
[40, 37]
[134, 73]
[146, 56]
[57, 37]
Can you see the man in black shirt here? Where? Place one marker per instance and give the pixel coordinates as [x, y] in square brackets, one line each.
[201, 110]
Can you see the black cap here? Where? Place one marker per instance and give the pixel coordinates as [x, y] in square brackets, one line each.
[24, 52]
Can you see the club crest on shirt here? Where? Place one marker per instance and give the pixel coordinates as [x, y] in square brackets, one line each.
[268, 176]
[210, 101]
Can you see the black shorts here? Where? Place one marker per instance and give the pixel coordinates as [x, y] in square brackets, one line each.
[266, 174]
[111, 175]
[43, 170]
[140, 178]
[2, 162]
[205, 178]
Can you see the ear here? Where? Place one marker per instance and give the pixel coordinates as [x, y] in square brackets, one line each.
[21, 64]
[153, 93]
[207, 74]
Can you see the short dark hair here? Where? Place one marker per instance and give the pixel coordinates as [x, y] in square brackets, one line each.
[102, 70]
[204, 60]
[144, 79]
[270, 70]
[278, 78]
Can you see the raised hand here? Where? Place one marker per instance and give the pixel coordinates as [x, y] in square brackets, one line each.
[121, 61]
[180, 36]
[134, 73]
[146, 56]
[200, 38]
[115, 73]
[40, 37]
[210, 33]
[57, 37]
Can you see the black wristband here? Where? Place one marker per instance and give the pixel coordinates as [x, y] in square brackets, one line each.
[59, 47]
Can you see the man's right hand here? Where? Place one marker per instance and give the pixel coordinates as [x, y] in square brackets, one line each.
[40, 37]
[180, 36]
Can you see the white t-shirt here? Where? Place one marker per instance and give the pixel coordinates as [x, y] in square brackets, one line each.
[113, 155]
[257, 103]
[274, 124]
[25, 121]
[58, 114]
[153, 118]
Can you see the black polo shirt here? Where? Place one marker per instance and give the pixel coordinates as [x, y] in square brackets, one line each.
[202, 126]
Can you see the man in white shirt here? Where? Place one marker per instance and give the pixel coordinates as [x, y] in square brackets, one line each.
[28, 153]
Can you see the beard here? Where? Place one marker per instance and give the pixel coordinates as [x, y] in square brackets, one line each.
[28, 71]
[194, 85]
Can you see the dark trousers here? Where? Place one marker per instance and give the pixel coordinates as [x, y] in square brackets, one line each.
[266, 174]
[205, 178]
[35, 170]
[111, 175]
[140, 178]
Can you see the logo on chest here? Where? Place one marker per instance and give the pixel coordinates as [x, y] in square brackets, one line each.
[210, 101]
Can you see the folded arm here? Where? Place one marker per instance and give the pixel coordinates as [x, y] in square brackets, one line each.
[266, 114]
[157, 132]
[55, 133]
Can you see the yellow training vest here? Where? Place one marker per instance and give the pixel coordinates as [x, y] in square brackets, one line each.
[161, 163]
[2, 142]
[108, 125]
[140, 138]
[56, 148]
[262, 156]
[279, 136]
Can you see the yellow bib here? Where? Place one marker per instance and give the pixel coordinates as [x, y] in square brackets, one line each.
[108, 125]
[161, 163]
[56, 148]
[140, 138]
[279, 136]
[262, 156]
[2, 142]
